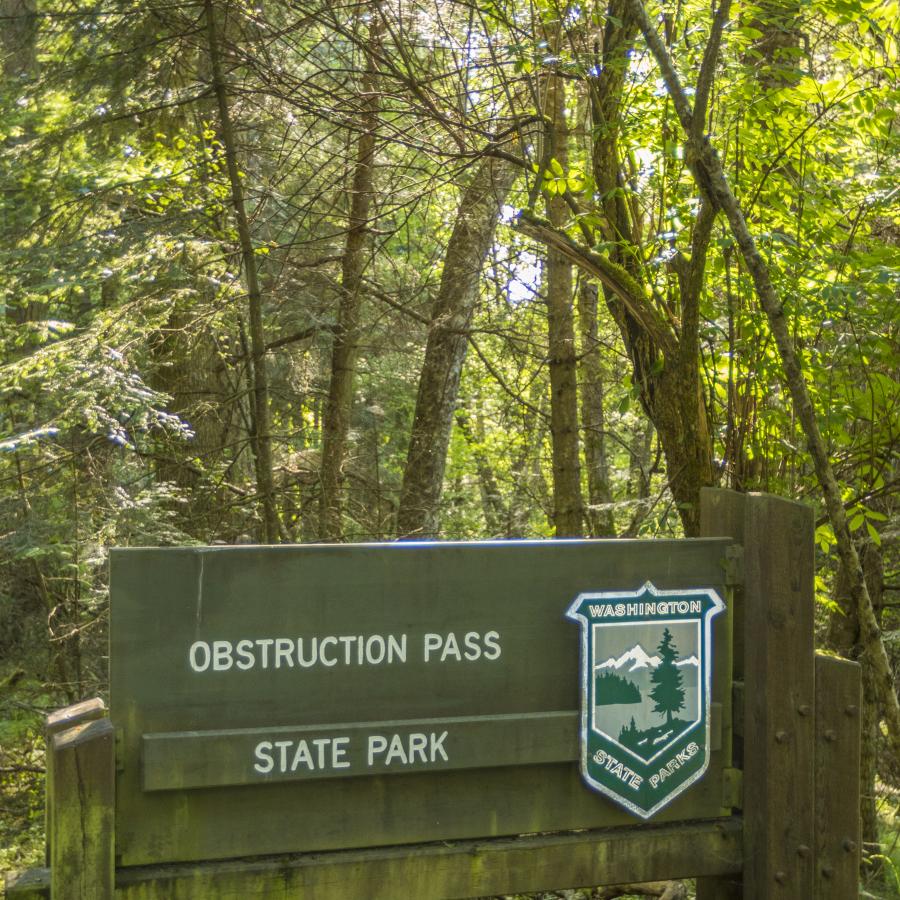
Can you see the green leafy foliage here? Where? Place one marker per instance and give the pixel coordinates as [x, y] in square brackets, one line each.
[126, 409]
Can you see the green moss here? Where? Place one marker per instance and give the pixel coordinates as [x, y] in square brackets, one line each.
[22, 778]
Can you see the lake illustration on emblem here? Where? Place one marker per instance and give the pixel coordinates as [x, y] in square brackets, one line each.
[646, 683]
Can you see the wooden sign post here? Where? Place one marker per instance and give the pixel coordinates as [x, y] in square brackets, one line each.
[407, 719]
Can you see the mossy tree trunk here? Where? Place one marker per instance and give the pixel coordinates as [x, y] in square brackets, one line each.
[445, 350]
[345, 348]
[261, 437]
[568, 506]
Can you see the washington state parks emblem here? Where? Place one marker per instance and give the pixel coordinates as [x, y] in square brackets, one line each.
[646, 661]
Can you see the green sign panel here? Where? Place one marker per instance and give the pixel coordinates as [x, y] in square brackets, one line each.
[279, 699]
[646, 666]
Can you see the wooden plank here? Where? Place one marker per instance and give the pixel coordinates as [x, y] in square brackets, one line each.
[32, 884]
[198, 759]
[165, 601]
[69, 716]
[463, 869]
[60, 720]
[779, 698]
[459, 869]
[82, 845]
[838, 730]
[722, 515]
[737, 703]
[723, 887]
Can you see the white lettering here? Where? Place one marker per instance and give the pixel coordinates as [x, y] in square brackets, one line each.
[451, 648]
[283, 748]
[397, 649]
[674, 764]
[418, 745]
[302, 755]
[339, 753]
[192, 656]
[306, 663]
[377, 744]
[333, 642]
[339, 650]
[396, 750]
[284, 652]
[245, 655]
[437, 746]
[432, 642]
[263, 754]
[222, 660]
[618, 769]
[347, 640]
[376, 655]
[264, 644]
[321, 744]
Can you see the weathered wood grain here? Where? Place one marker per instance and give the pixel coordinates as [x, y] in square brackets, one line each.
[722, 515]
[450, 870]
[32, 884]
[838, 730]
[163, 600]
[196, 759]
[82, 843]
[60, 720]
[779, 699]
[722, 887]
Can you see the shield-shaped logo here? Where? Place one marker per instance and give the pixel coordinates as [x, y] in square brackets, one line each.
[646, 661]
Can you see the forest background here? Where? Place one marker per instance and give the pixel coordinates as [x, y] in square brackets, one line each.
[458, 269]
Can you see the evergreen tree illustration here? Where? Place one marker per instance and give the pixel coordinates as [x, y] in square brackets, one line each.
[667, 691]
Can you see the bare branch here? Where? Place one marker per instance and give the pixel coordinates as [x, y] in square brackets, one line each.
[708, 68]
[611, 275]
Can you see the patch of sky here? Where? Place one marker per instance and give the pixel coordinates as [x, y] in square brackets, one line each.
[664, 256]
[524, 280]
[524, 273]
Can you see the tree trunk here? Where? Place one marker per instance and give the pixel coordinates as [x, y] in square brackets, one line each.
[345, 348]
[601, 522]
[599, 516]
[567, 499]
[844, 638]
[445, 350]
[261, 438]
[19, 61]
[710, 176]
[18, 39]
[667, 376]
[491, 500]
[526, 466]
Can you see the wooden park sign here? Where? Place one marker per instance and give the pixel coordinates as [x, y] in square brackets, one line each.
[410, 719]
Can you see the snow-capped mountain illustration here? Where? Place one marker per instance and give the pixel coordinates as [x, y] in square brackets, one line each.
[689, 661]
[637, 657]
